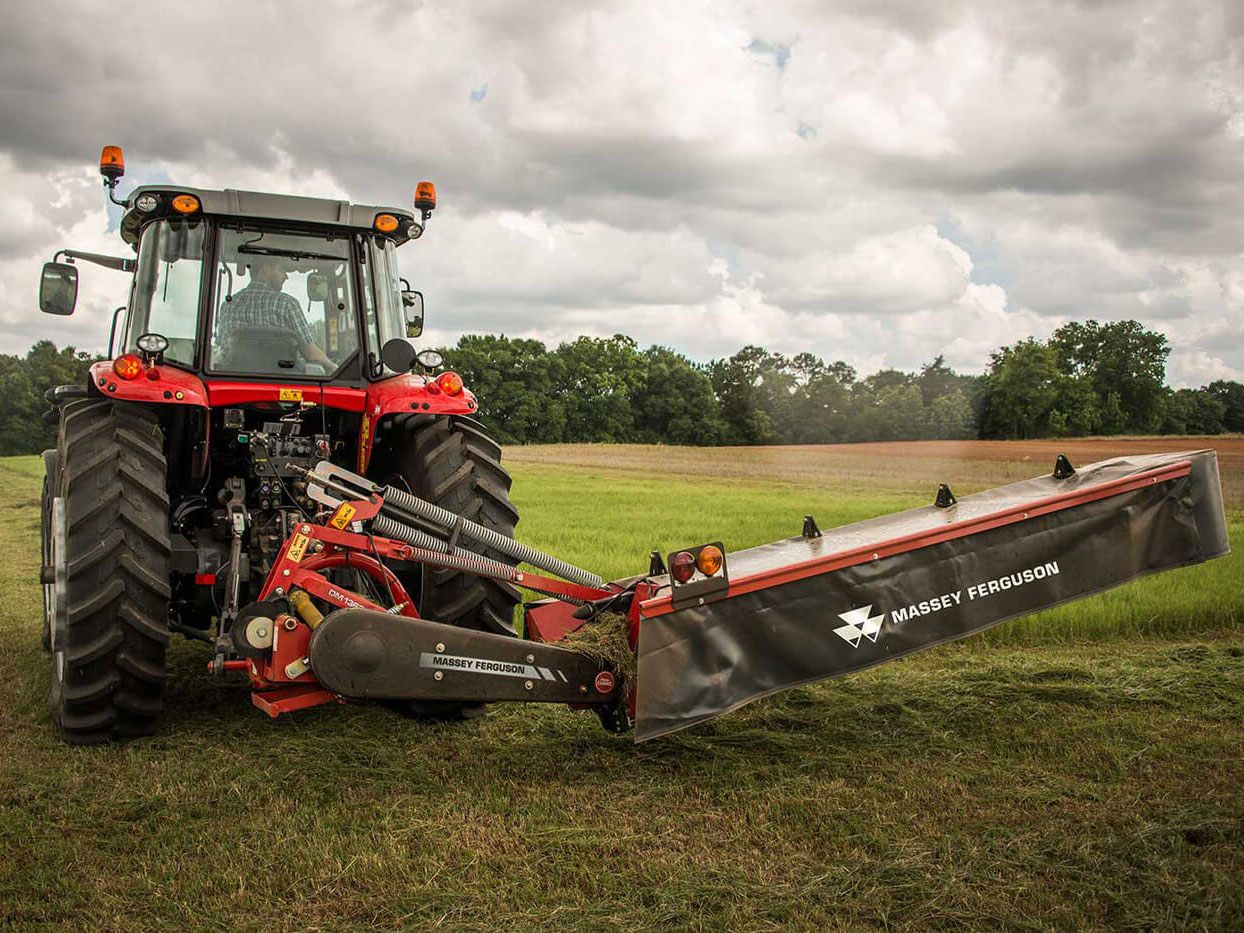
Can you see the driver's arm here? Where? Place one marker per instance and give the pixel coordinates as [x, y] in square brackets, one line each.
[311, 351]
[314, 354]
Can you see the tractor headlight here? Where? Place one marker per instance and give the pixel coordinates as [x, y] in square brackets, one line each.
[430, 359]
[147, 203]
[154, 344]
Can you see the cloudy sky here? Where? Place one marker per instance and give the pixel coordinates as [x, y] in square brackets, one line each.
[873, 181]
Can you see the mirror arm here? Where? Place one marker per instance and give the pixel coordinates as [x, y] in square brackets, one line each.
[119, 263]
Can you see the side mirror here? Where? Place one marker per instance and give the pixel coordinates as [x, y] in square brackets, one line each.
[398, 355]
[317, 286]
[58, 288]
[412, 304]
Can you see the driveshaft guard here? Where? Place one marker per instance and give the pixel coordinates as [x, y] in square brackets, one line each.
[804, 609]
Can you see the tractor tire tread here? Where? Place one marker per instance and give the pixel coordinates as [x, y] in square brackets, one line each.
[451, 462]
[112, 479]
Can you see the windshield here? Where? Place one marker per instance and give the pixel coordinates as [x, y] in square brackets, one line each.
[166, 287]
[285, 304]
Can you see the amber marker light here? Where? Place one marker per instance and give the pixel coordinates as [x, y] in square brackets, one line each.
[709, 560]
[112, 162]
[385, 223]
[682, 566]
[450, 383]
[127, 366]
[185, 204]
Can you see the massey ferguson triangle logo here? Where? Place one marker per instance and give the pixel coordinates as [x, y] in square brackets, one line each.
[859, 625]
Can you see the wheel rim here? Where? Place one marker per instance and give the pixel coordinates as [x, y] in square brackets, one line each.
[54, 601]
[54, 592]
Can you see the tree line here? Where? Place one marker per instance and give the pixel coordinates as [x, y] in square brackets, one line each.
[1089, 378]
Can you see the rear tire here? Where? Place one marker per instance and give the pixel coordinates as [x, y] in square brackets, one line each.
[452, 463]
[110, 632]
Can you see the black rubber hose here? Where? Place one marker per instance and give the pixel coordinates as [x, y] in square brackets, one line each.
[415, 507]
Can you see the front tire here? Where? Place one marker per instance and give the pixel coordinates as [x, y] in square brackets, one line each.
[110, 631]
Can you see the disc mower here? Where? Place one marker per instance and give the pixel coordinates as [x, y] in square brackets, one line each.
[265, 464]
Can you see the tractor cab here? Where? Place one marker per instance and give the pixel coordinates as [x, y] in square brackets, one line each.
[259, 286]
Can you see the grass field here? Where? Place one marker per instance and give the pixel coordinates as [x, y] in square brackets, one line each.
[1081, 768]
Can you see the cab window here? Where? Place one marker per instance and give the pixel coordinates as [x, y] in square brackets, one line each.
[165, 295]
[285, 304]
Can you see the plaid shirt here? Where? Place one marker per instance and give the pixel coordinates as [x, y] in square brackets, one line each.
[261, 305]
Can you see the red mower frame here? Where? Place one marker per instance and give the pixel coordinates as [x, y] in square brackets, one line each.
[283, 682]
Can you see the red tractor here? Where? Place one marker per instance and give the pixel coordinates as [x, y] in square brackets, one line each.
[263, 333]
[265, 464]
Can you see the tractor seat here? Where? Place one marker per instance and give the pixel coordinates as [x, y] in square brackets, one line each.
[263, 350]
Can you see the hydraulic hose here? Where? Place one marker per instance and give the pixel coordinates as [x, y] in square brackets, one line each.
[413, 506]
[435, 551]
[459, 560]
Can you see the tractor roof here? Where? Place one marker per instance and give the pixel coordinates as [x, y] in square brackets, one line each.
[263, 205]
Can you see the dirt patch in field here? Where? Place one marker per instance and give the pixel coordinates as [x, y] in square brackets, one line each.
[906, 465]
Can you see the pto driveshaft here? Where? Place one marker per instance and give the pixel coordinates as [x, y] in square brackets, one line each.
[400, 507]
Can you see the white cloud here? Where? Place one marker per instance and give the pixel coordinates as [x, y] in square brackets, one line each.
[877, 182]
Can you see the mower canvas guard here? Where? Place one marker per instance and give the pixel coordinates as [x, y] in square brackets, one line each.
[821, 605]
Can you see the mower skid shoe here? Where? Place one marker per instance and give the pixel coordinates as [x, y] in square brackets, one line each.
[808, 608]
[368, 655]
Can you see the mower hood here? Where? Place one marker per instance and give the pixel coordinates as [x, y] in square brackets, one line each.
[812, 607]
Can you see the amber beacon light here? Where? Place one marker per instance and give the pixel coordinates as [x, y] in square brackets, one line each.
[112, 162]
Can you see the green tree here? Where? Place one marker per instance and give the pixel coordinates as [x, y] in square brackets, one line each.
[1022, 386]
[739, 384]
[518, 383]
[950, 417]
[674, 404]
[23, 382]
[600, 378]
[1193, 411]
[821, 400]
[1231, 394]
[1120, 357]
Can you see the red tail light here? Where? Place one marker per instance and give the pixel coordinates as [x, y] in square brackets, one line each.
[682, 566]
[450, 383]
[127, 366]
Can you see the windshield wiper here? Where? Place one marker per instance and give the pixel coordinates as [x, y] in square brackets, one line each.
[288, 253]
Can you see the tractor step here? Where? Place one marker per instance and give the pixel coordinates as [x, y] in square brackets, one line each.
[364, 654]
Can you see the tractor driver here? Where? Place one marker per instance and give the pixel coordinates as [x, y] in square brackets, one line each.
[263, 306]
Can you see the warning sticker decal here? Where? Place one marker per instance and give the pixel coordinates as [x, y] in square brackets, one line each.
[297, 548]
